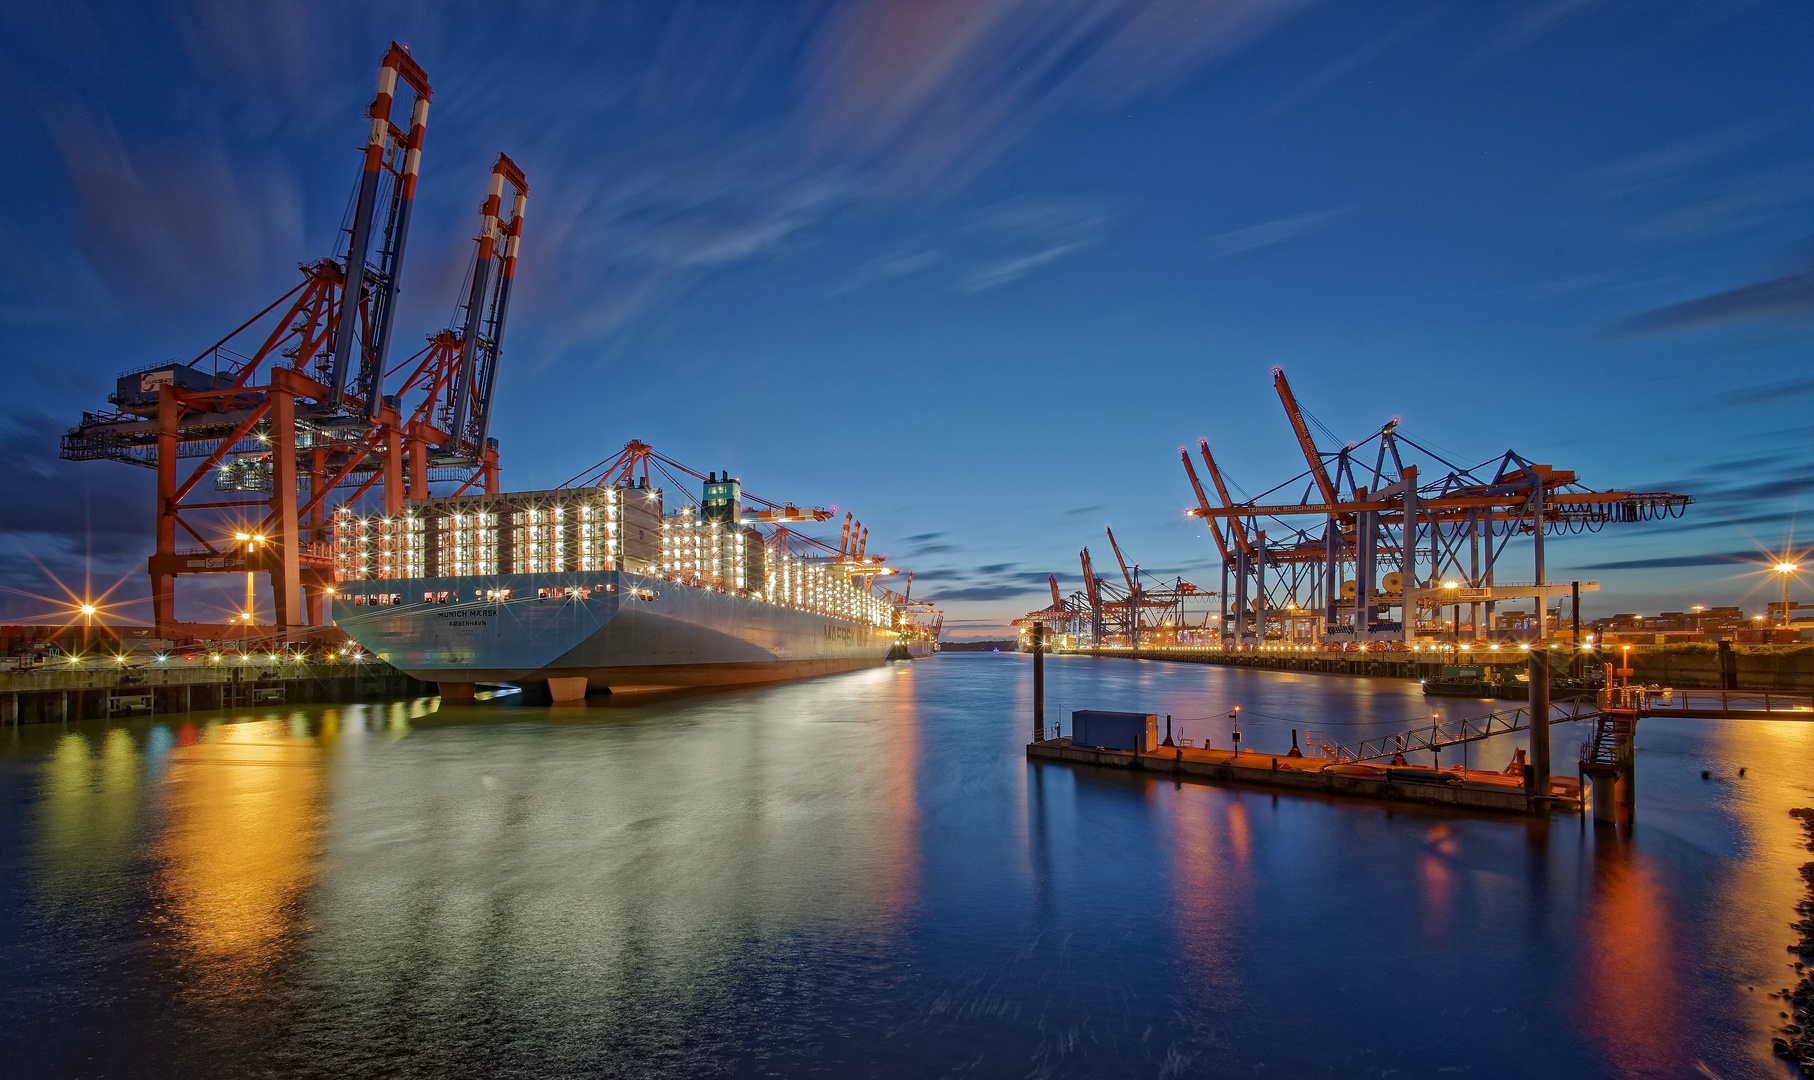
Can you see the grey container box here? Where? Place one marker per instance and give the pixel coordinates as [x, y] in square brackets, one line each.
[140, 389]
[1115, 730]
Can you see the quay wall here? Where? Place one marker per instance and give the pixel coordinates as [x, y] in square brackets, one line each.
[1696, 665]
[1388, 664]
[51, 695]
[1685, 666]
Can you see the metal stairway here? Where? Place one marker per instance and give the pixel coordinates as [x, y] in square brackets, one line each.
[1612, 741]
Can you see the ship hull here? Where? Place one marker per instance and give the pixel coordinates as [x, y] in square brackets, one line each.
[617, 630]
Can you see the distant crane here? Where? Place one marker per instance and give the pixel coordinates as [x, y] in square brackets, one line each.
[1415, 537]
[1092, 588]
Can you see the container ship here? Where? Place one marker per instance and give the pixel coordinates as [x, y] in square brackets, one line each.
[598, 585]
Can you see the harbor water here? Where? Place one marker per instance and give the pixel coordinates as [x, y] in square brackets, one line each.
[861, 875]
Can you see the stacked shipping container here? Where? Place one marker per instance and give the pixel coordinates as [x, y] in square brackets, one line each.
[533, 532]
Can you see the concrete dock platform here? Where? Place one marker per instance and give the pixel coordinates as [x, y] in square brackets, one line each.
[1470, 789]
[63, 693]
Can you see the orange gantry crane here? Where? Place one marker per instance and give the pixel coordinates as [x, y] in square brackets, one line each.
[1376, 552]
[1131, 613]
[293, 407]
[1062, 617]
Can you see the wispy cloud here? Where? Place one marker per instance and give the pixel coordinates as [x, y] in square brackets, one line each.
[1528, 27]
[622, 249]
[1667, 561]
[1789, 297]
[1761, 490]
[1749, 203]
[104, 507]
[1688, 154]
[904, 262]
[169, 223]
[983, 592]
[1269, 233]
[1003, 271]
[939, 573]
[1772, 392]
[667, 143]
[937, 90]
[75, 519]
[1036, 231]
[1354, 60]
[920, 551]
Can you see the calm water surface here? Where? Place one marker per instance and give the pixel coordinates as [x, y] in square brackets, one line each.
[862, 876]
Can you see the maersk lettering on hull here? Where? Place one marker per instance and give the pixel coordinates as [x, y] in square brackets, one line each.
[616, 629]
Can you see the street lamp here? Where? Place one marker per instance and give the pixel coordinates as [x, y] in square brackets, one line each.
[1787, 570]
[88, 610]
[1455, 612]
[251, 540]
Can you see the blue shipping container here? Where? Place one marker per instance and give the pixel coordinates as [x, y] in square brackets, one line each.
[1115, 730]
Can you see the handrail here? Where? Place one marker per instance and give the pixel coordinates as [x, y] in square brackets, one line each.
[1454, 732]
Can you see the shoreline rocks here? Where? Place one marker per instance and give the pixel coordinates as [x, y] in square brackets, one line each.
[1796, 1042]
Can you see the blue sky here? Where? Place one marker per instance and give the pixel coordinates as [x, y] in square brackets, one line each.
[974, 270]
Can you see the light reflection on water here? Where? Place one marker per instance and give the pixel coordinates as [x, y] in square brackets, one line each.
[237, 847]
[862, 875]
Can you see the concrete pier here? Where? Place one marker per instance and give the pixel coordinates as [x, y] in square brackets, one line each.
[58, 694]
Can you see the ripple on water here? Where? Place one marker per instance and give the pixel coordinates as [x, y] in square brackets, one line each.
[862, 875]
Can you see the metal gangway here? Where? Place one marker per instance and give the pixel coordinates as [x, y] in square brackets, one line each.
[1434, 738]
[1730, 704]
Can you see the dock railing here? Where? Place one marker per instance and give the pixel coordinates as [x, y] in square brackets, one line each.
[1435, 737]
[1729, 703]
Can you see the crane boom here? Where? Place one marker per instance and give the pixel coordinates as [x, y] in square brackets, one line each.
[1090, 588]
[1596, 501]
[1129, 578]
[389, 149]
[487, 303]
[1308, 445]
[1057, 602]
[1215, 477]
[1196, 485]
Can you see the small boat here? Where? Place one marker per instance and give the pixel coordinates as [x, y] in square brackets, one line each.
[1416, 775]
[1354, 769]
